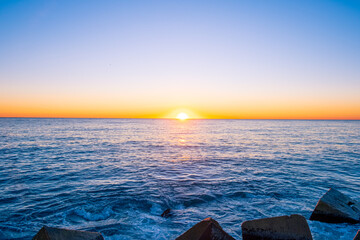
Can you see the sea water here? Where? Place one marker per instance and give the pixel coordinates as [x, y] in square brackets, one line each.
[116, 176]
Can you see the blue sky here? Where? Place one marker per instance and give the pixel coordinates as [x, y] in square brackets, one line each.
[219, 58]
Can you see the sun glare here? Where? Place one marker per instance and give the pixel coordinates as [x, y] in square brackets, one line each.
[182, 116]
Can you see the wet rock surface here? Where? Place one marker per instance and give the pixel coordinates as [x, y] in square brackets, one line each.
[284, 227]
[207, 229]
[167, 213]
[49, 233]
[357, 236]
[335, 207]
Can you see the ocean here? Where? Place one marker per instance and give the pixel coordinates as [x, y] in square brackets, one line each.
[116, 176]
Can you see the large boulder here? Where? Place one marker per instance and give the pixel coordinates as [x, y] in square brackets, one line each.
[335, 207]
[207, 229]
[293, 227]
[49, 233]
[357, 237]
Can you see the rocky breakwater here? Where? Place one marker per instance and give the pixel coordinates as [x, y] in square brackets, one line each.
[292, 227]
[284, 227]
[207, 229]
[50, 233]
[335, 207]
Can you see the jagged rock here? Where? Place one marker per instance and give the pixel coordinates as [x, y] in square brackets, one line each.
[207, 229]
[167, 213]
[335, 207]
[292, 227]
[357, 237]
[49, 233]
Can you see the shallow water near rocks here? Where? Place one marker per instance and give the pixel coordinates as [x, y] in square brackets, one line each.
[117, 176]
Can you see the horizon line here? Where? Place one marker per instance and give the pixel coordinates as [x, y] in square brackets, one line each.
[286, 119]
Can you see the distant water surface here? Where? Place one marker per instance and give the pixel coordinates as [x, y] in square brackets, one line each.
[117, 176]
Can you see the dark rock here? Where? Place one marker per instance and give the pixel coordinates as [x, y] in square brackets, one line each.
[49, 233]
[335, 207]
[167, 213]
[357, 237]
[292, 227]
[207, 229]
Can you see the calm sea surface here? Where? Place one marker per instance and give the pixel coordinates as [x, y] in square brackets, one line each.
[117, 176]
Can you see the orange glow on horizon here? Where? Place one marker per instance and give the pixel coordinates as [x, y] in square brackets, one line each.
[274, 110]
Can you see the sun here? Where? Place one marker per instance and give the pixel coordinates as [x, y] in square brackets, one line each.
[182, 116]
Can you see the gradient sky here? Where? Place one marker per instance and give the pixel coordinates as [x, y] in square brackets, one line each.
[211, 59]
